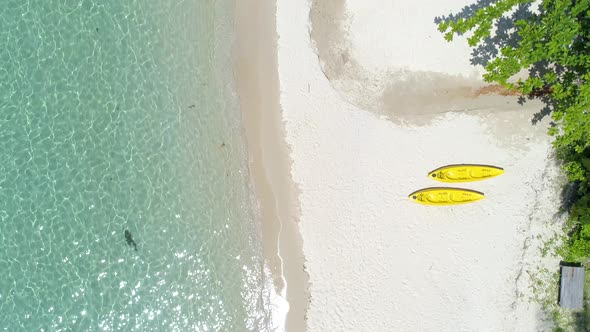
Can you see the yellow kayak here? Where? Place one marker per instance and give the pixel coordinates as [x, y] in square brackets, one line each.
[445, 196]
[465, 173]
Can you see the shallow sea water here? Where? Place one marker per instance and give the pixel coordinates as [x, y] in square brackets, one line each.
[120, 115]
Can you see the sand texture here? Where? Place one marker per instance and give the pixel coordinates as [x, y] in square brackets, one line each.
[366, 115]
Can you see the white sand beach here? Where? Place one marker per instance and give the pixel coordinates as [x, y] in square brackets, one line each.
[372, 99]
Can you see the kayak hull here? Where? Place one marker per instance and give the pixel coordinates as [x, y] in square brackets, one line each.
[445, 196]
[465, 173]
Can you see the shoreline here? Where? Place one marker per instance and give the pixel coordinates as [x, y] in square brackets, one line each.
[256, 73]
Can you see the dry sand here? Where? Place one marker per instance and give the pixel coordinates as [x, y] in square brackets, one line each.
[367, 114]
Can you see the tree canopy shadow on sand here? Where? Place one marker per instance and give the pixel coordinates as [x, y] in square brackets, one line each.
[504, 34]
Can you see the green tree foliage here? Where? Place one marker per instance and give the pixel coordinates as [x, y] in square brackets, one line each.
[552, 49]
[553, 46]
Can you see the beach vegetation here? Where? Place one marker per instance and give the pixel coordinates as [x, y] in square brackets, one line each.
[541, 50]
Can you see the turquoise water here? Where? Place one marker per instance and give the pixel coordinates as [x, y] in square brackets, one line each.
[120, 115]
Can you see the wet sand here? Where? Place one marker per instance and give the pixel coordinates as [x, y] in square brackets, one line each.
[270, 164]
